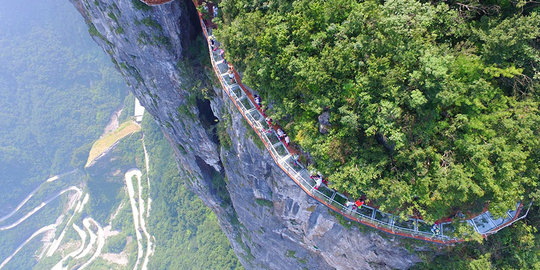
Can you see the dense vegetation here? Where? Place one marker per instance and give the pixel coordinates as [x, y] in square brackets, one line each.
[57, 91]
[187, 232]
[433, 105]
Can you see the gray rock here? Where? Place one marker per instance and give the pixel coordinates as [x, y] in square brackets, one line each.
[324, 122]
[293, 231]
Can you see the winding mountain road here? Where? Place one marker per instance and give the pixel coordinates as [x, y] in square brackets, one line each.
[138, 212]
[38, 232]
[31, 194]
[39, 207]
[149, 250]
[82, 235]
[78, 207]
[100, 236]
[135, 212]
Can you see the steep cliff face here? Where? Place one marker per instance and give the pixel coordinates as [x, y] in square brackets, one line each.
[270, 222]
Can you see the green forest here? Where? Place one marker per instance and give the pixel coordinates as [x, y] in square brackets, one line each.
[433, 105]
[57, 92]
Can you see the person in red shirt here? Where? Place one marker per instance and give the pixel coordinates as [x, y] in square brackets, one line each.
[359, 203]
[269, 122]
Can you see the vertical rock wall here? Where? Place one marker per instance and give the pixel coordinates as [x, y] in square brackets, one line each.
[270, 222]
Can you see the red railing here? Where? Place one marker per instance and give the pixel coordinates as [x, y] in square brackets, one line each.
[155, 2]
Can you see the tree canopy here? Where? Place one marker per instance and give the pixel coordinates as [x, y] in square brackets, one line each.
[433, 105]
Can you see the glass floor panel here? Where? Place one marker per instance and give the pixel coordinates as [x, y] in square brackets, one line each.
[383, 217]
[499, 221]
[257, 116]
[448, 229]
[404, 223]
[340, 199]
[365, 211]
[305, 174]
[326, 191]
[222, 67]
[306, 184]
[226, 79]
[273, 138]
[247, 104]
[291, 163]
[237, 91]
[424, 227]
[281, 150]
[320, 195]
[217, 58]
[483, 223]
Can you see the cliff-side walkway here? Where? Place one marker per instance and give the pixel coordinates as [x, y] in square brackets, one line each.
[484, 223]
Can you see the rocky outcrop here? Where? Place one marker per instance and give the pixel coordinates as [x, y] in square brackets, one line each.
[270, 222]
[324, 122]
